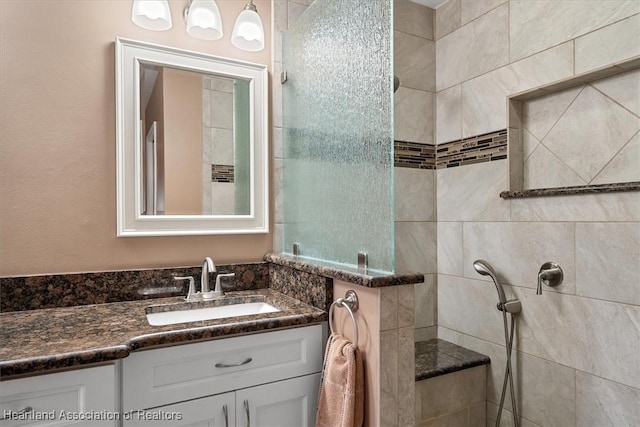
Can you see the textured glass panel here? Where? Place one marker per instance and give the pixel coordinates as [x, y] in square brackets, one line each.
[338, 133]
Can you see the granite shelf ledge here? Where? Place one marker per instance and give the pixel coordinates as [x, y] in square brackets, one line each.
[437, 357]
[369, 278]
[565, 191]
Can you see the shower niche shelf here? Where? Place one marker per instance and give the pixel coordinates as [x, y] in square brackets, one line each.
[559, 148]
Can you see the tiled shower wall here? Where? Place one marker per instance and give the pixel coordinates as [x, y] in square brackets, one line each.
[414, 114]
[586, 134]
[578, 346]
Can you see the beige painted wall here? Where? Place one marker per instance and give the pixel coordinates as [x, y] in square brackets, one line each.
[57, 139]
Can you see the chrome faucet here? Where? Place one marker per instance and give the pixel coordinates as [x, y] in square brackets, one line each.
[207, 267]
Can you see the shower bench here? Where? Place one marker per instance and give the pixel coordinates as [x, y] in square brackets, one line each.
[450, 384]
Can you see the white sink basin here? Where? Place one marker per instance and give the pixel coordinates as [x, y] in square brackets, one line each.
[209, 313]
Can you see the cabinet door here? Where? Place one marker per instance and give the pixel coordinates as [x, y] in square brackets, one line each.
[289, 403]
[212, 411]
[86, 397]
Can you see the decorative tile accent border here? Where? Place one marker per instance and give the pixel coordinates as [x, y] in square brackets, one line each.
[66, 290]
[475, 149]
[414, 155]
[222, 173]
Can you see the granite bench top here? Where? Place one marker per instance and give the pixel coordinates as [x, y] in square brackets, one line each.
[46, 340]
[438, 357]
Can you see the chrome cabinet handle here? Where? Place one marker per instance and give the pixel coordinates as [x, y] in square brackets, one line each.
[226, 415]
[13, 414]
[246, 410]
[233, 365]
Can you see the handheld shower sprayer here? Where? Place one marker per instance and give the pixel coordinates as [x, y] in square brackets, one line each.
[505, 306]
[485, 269]
[511, 306]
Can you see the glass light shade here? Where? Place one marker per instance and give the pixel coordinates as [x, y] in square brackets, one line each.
[248, 32]
[204, 20]
[151, 14]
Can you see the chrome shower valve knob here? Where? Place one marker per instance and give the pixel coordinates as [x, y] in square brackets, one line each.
[551, 275]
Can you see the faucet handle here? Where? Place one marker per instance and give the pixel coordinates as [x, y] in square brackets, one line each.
[192, 286]
[217, 292]
[550, 274]
[218, 283]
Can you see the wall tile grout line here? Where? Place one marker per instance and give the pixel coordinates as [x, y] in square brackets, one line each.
[626, 144]
[609, 97]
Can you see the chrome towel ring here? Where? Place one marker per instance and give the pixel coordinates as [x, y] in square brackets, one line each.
[349, 302]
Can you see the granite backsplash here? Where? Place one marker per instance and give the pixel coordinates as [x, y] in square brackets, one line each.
[309, 288]
[66, 290]
[309, 282]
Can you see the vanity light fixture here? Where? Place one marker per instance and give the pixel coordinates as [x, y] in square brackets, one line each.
[248, 31]
[151, 14]
[203, 20]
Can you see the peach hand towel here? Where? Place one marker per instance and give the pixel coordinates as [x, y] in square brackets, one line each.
[341, 401]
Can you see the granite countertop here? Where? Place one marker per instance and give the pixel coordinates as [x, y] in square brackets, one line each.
[369, 278]
[39, 341]
[438, 357]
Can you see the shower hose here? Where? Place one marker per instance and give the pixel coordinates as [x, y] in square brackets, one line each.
[508, 374]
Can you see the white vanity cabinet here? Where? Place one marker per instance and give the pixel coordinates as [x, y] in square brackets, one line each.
[212, 411]
[84, 397]
[288, 403]
[269, 379]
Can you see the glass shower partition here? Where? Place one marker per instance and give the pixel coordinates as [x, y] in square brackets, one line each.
[338, 133]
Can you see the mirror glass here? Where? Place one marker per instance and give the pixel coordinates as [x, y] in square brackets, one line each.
[191, 119]
[192, 142]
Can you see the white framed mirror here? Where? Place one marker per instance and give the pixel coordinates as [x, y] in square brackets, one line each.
[191, 143]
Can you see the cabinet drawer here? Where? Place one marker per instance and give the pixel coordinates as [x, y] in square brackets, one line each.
[158, 377]
[66, 398]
